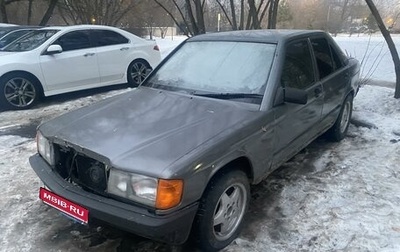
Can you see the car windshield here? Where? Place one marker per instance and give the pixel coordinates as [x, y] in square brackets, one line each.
[218, 69]
[30, 41]
[7, 39]
[3, 32]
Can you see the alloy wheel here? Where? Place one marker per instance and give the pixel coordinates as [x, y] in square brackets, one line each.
[345, 116]
[139, 72]
[19, 92]
[229, 211]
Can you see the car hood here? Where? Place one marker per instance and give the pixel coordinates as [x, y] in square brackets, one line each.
[5, 53]
[146, 130]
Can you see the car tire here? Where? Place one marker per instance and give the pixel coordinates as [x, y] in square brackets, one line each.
[137, 72]
[339, 129]
[19, 91]
[221, 212]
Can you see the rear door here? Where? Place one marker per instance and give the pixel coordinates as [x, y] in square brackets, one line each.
[75, 67]
[296, 123]
[112, 49]
[332, 75]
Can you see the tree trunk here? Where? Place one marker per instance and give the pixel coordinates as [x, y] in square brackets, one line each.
[241, 26]
[193, 23]
[29, 12]
[3, 11]
[48, 13]
[200, 17]
[390, 43]
[233, 11]
[254, 15]
[273, 14]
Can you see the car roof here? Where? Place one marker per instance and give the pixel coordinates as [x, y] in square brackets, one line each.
[260, 36]
[2, 25]
[77, 27]
[18, 27]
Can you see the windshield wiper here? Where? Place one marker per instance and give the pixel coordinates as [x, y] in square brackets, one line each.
[228, 96]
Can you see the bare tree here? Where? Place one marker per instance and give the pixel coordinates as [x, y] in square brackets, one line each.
[105, 12]
[22, 8]
[189, 17]
[273, 14]
[390, 43]
[256, 12]
[49, 12]
[30, 5]
[3, 9]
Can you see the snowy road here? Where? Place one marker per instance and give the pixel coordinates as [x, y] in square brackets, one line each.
[330, 197]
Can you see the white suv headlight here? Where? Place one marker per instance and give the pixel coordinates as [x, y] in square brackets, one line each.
[45, 148]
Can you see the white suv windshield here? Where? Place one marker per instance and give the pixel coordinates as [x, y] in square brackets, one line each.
[217, 67]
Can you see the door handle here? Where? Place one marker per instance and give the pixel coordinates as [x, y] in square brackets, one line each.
[124, 48]
[88, 54]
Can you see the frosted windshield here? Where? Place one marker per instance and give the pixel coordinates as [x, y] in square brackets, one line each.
[218, 67]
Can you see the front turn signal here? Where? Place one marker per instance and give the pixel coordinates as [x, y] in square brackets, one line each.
[169, 193]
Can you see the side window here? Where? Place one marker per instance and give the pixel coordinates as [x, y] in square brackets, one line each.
[105, 38]
[336, 59]
[298, 69]
[74, 40]
[322, 51]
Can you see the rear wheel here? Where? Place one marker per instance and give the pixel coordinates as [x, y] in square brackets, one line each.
[221, 211]
[19, 91]
[137, 72]
[339, 129]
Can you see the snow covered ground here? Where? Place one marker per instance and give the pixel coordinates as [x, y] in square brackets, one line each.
[330, 197]
[373, 52]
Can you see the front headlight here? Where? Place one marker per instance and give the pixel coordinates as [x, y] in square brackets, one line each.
[158, 193]
[45, 148]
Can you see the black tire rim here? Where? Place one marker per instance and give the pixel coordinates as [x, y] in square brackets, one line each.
[229, 211]
[139, 72]
[19, 92]
[344, 122]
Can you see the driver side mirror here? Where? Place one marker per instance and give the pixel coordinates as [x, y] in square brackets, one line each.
[295, 95]
[54, 49]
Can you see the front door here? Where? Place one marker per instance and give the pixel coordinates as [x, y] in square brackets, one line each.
[295, 123]
[75, 67]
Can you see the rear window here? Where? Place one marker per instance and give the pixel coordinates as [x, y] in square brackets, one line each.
[106, 38]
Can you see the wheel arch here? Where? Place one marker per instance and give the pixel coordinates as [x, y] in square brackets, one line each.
[22, 72]
[127, 72]
[242, 163]
[201, 233]
[135, 60]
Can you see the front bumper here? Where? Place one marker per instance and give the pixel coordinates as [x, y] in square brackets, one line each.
[173, 228]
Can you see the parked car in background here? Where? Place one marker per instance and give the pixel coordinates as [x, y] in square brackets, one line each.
[55, 60]
[178, 154]
[2, 25]
[4, 30]
[15, 34]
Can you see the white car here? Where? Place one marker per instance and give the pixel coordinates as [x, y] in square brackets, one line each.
[55, 60]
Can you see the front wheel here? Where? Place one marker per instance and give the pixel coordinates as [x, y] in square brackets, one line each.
[137, 72]
[339, 129]
[19, 91]
[221, 211]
